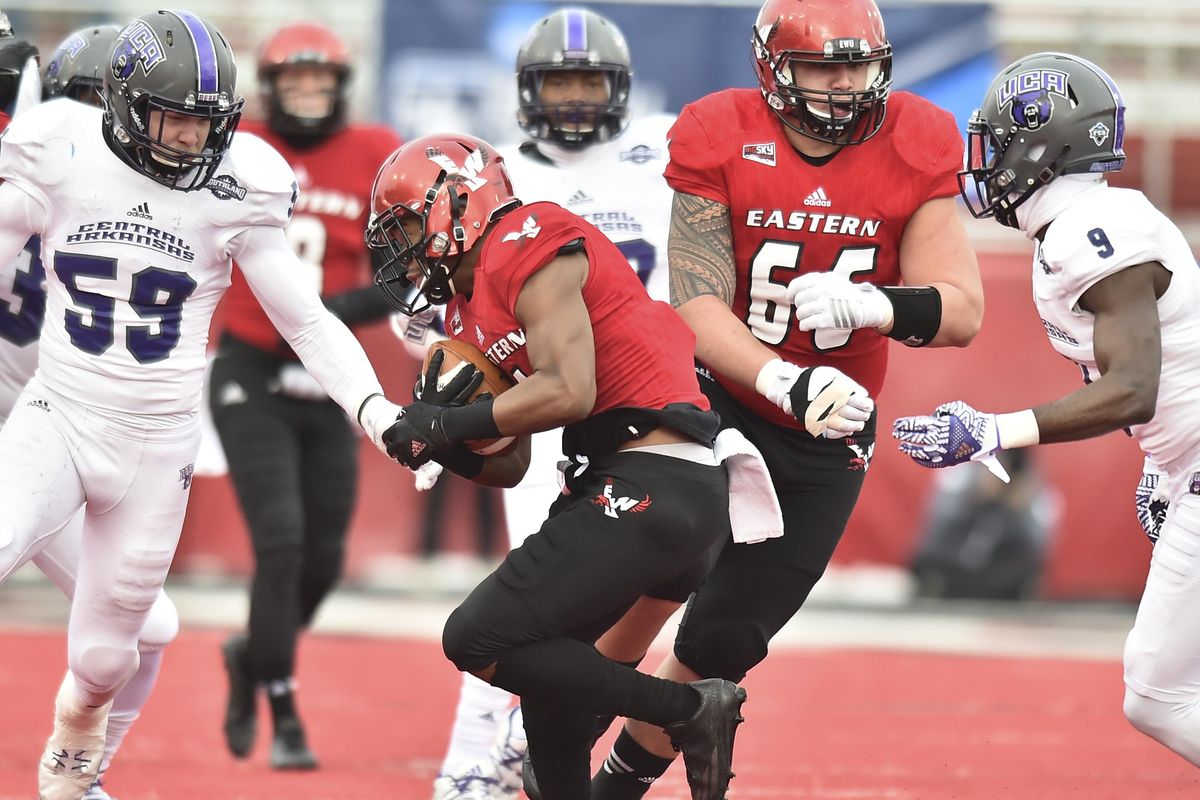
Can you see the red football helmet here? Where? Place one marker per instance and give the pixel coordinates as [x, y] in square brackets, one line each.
[453, 186]
[303, 44]
[823, 32]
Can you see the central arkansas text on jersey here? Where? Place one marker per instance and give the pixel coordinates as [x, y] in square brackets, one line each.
[134, 269]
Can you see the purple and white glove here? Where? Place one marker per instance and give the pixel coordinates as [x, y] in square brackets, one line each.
[954, 434]
[1151, 501]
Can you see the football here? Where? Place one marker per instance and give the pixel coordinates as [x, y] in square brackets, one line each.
[495, 382]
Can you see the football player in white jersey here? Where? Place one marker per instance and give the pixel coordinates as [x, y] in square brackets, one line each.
[1117, 289]
[73, 71]
[584, 153]
[141, 209]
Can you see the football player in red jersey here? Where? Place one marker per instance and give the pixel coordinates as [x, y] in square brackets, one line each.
[293, 456]
[551, 300]
[824, 179]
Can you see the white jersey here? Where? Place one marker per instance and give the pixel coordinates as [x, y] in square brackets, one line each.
[1102, 233]
[616, 185]
[22, 306]
[134, 269]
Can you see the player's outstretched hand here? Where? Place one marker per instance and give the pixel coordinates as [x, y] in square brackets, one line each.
[954, 434]
[454, 392]
[826, 400]
[825, 300]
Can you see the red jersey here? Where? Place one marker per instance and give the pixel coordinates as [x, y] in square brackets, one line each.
[643, 349]
[789, 216]
[326, 230]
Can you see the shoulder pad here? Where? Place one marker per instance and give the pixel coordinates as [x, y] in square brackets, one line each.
[255, 174]
[1100, 234]
[926, 136]
[37, 147]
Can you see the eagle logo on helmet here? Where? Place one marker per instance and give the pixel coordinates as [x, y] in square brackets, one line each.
[1030, 96]
[137, 44]
[468, 173]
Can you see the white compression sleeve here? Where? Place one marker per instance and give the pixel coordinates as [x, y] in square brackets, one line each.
[328, 350]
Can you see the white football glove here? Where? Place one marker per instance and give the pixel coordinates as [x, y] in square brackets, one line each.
[829, 403]
[827, 300]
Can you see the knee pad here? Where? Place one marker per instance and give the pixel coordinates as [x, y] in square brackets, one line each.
[727, 649]
[161, 626]
[101, 669]
[460, 642]
[139, 580]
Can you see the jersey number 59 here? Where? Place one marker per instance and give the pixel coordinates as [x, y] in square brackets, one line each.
[156, 295]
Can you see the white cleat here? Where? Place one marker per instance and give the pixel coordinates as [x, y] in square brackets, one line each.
[469, 783]
[71, 764]
[497, 777]
[508, 754]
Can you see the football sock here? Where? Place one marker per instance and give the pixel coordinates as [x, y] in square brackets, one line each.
[127, 704]
[628, 772]
[559, 747]
[281, 694]
[605, 721]
[476, 722]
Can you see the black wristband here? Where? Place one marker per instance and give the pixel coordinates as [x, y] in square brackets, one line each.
[462, 462]
[472, 421]
[916, 313]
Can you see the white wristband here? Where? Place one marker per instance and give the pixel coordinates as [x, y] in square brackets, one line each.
[1018, 429]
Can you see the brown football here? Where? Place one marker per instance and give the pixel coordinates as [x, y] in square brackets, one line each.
[495, 383]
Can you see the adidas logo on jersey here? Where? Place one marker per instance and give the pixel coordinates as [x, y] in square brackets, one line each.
[818, 198]
[141, 211]
[579, 197]
[41, 405]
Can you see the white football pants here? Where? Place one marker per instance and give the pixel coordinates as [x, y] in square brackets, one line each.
[1162, 652]
[132, 475]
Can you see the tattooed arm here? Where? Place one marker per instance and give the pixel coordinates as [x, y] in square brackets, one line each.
[700, 260]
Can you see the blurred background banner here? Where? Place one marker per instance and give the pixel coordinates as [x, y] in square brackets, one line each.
[449, 65]
[430, 65]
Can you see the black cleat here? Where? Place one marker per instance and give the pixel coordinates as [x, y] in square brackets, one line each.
[706, 740]
[241, 711]
[289, 749]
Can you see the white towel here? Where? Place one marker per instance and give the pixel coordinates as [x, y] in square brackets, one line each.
[754, 512]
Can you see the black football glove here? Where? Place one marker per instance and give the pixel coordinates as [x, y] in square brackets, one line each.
[455, 393]
[417, 437]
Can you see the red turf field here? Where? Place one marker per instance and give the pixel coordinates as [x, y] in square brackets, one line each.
[820, 724]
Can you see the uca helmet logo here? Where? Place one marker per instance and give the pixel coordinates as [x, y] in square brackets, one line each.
[1029, 95]
[137, 44]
